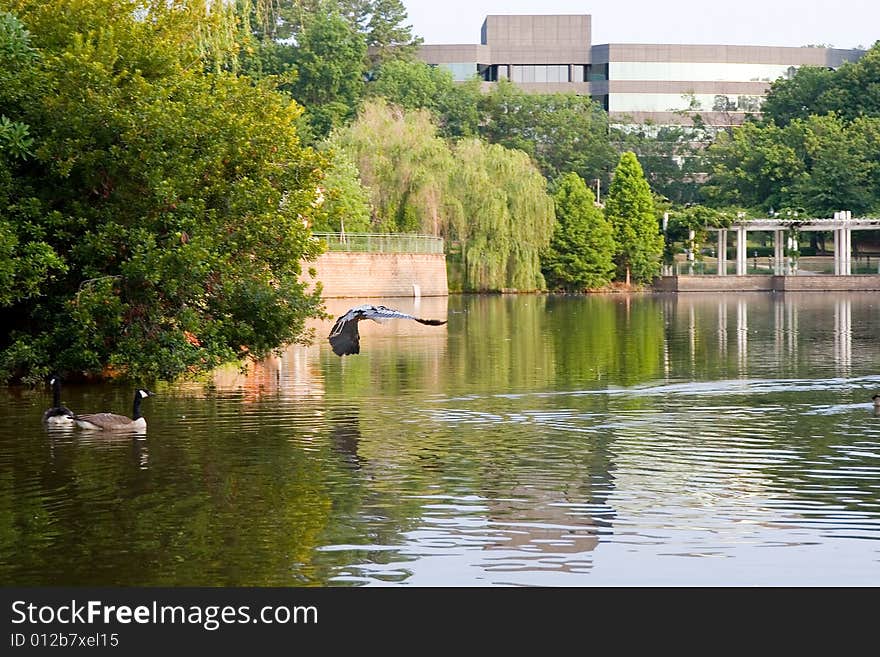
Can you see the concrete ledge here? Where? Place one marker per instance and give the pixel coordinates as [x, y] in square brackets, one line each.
[819, 283]
[355, 274]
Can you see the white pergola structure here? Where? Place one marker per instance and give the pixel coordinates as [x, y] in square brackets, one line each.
[841, 226]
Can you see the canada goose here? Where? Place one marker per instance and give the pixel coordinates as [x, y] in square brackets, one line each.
[58, 415]
[344, 336]
[114, 422]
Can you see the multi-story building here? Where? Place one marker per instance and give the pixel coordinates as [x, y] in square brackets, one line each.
[635, 83]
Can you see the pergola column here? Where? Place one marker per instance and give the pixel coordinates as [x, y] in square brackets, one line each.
[741, 251]
[778, 253]
[722, 252]
[843, 238]
[838, 267]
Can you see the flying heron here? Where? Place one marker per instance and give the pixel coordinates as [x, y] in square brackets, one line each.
[344, 336]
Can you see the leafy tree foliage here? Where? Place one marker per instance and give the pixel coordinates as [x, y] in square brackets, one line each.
[798, 97]
[345, 204]
[821, 163]
[504, 218]
[327, 61]
[278, 28]
[673, 158]
[388, 35]
[851, 91]
[562, 132]
[581, 250]
[753, 167]
[403, 163]
[629, 207]
[159, 226]
[415, 85]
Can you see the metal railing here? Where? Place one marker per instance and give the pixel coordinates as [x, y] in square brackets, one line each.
[767, 265]
[381, 242]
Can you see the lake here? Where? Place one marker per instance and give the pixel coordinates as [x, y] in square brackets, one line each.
[606, 440]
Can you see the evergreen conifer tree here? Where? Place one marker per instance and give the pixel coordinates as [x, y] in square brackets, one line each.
[629, 207]
[581, 251]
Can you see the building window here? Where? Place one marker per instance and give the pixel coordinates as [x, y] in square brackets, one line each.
[670, 102]
[461, 71]
[539, 73]
[598, 72]
[706, 71]
[494, 72]
[722, 103]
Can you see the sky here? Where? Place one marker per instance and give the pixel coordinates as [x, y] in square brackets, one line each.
[841, 24]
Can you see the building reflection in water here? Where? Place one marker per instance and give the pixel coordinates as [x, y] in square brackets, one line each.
[843, 336]
[742, 337]
[567, 525]
[828, 322]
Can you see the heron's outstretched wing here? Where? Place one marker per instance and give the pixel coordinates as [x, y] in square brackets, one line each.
[344, 336]
[381, 313]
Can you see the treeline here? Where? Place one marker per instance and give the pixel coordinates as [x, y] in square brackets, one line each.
[815, 149]
[162, 166]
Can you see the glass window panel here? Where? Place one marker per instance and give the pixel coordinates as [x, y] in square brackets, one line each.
[658, 102]
[460, 70]
[599, 72]
[703, 71]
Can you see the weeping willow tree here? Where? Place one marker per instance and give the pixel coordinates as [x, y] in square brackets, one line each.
[505, 216]
[404, 164]
[490, 201]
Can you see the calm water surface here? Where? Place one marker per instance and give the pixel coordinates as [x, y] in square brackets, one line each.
[560, 441]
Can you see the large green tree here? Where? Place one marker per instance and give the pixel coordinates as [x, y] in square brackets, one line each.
[799, 96]
[328, 65]
[821, 164]
[388, 34]
[580, 255]
[504, 217]
[344, 204]
[163, 209]
[851, 91]
[629, 208]
[403, 163]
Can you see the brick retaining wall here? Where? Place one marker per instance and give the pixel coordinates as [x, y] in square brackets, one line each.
[345, 274]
